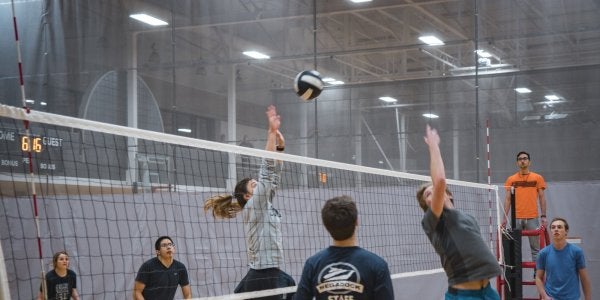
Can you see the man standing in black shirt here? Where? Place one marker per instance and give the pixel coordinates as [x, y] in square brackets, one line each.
[159, 277]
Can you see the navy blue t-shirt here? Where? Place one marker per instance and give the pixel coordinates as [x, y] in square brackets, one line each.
[161, 282]
[345, 271]
[60, 287]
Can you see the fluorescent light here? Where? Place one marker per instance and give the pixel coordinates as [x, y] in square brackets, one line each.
[388, 99]
[256, 55]
[150, 20]
[360, 1]
[484, 62]
[332, 81]
[43, 103]
[29, 101]
[552, 97]
[431, 116]
[483, 53]
[186, 130]
[555, 116]
[431, 40]
[523, 90]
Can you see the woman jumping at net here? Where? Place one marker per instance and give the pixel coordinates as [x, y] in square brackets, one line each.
[262, 222]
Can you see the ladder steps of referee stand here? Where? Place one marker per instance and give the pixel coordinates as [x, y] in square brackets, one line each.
[544, 239]
[528, 264]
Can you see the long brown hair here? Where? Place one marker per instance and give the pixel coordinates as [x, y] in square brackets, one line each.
[222, 205]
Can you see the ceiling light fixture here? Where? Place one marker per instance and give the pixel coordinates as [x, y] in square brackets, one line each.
[555, 116]
[150, 20]
[523, 90]
[256, 55]
[552, 97]
[431, 40]
[431, 116]
[186, 130]
[360, 1]
[388, 99]
[483, 53]
[332, 81]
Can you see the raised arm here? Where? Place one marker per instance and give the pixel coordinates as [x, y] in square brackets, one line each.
[270, 170]
[436, 167]
[273, 134]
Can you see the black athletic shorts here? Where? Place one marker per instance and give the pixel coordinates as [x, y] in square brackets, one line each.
[257, 280]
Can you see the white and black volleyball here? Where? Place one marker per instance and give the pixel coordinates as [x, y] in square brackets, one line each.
[308, 85]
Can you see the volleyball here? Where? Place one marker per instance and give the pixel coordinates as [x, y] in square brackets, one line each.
[308, 85]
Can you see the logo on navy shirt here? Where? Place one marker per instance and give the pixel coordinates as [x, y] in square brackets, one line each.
[339, 278]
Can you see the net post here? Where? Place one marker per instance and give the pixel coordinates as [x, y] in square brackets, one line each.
[4, 290]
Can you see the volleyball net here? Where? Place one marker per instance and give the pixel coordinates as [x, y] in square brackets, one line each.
[104, 193]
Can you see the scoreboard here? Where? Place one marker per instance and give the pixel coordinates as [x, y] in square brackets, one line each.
[15, 146]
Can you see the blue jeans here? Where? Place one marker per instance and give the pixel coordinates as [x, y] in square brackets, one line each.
[486, 293]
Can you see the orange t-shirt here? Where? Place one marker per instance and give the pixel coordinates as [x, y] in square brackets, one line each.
[526, 193]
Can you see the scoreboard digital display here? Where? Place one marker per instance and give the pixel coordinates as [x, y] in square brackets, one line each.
[15, 147]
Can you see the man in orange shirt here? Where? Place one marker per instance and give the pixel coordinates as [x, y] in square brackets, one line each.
[529, 188]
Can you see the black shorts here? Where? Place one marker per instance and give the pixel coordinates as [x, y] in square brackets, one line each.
[257, 280]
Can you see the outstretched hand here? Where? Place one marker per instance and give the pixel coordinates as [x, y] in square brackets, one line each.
[431, 136]
[274, 118]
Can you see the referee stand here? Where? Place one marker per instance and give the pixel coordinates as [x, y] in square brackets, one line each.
[510, 286]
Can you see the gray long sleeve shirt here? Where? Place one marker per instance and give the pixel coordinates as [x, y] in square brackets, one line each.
[262, 222]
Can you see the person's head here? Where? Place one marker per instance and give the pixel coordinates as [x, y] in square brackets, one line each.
[425, 192]
[523, 159]
[164, 247]
[226, 205]
[244, 190]
[60, 260]
[559, 228]
[340, 217]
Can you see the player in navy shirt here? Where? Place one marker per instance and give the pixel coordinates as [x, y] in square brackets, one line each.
[61, 282]
[344, 270]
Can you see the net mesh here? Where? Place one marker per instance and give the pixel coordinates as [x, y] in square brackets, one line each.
[104, 193]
